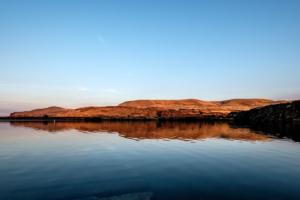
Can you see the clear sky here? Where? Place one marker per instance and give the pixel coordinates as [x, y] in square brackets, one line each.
[96, 53]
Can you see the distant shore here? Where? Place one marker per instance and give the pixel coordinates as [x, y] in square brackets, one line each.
[274, 111]
[91, 119]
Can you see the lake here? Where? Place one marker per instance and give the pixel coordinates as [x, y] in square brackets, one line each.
[148, 160]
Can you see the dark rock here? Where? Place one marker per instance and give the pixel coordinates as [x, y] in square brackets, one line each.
[278, 112]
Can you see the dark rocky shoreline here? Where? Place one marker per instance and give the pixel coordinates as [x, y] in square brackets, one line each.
[278, 112]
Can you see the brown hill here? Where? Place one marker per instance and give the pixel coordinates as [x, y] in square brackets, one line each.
[51, 111]
[222, 107]
[169, 104]
[154, 108]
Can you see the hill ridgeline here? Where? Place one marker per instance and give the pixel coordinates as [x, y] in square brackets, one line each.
[155, 108]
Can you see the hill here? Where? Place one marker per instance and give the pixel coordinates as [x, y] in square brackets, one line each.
[154, 108]
[222, 107]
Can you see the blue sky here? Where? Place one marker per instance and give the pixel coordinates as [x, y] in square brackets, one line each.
[97, 53]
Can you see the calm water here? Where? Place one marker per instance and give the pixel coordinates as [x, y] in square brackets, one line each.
[169, 160]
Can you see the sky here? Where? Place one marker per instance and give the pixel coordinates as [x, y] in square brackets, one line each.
[101, 53]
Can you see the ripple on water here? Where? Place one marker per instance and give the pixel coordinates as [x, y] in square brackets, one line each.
[172, 160]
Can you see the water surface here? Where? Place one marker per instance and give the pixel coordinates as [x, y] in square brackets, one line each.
[169, 160]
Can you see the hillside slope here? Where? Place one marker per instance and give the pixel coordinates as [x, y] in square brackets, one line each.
[154, 108]
[205, 106]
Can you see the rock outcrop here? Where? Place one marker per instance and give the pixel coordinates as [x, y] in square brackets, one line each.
[154, 108]
[280, 112]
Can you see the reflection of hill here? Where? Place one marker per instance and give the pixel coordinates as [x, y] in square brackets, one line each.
[153, 130]
[281, 130]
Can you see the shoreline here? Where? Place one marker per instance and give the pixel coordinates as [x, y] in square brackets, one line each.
[278, 112]
[91, 119]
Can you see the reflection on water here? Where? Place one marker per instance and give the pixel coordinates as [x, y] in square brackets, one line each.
[154, 130]
[148, 160]
[280, 130]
